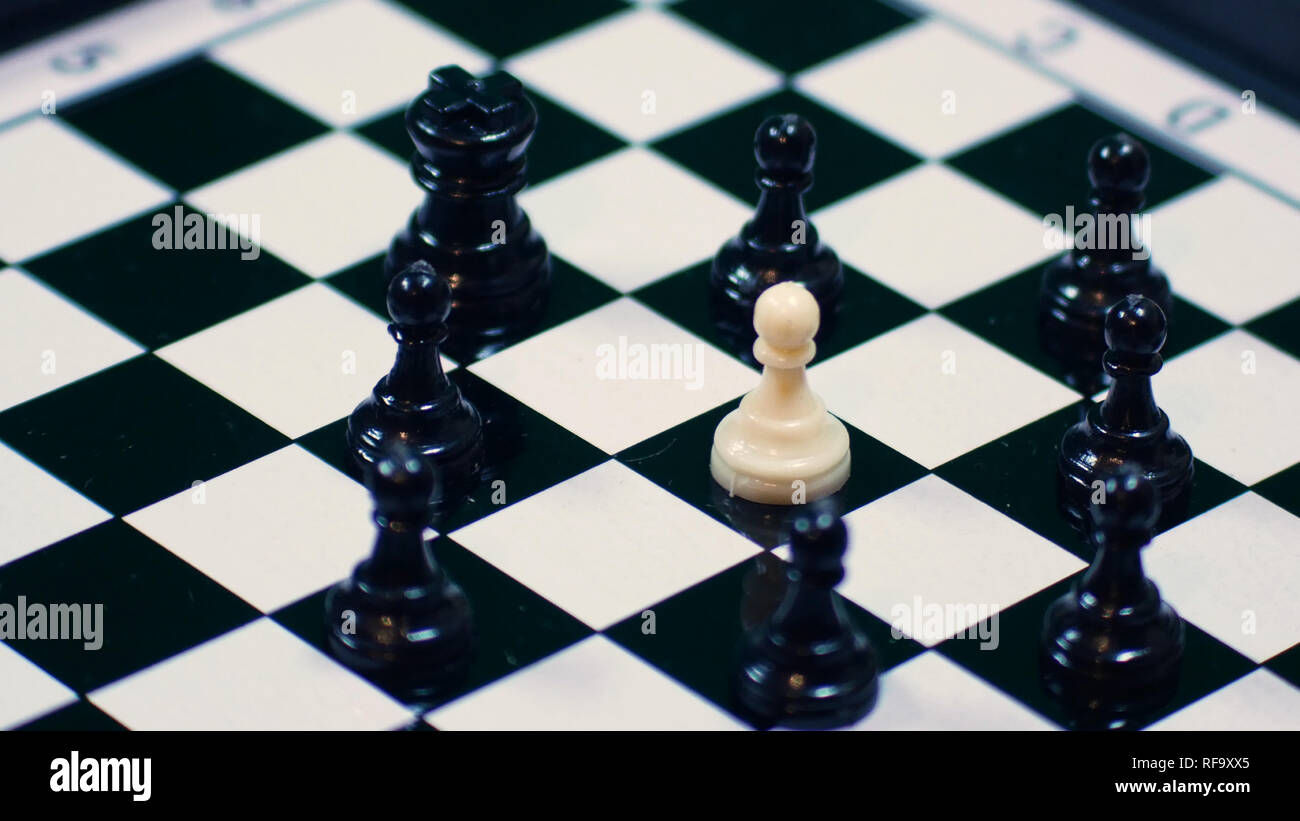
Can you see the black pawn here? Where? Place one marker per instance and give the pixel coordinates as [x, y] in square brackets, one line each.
[399, 619]
[471, 135]
[1079, 286]
[779, 244]
[807, 666]
[1111, 649]
[1127, 429]
[416, 404]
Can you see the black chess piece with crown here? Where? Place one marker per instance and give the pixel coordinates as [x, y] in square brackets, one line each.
[471, 137]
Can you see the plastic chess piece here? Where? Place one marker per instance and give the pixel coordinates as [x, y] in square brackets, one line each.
[399, 619]
[471, 135]
[780, 244]
[416, 403]
[1111, 649]
[1127, 429]
[808, 666]
[781, 447]
[1079, 286]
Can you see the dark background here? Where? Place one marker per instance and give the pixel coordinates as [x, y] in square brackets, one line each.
[1251, 44]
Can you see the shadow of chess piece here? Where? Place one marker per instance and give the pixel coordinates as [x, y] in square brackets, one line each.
[780, 244]
[1128, 428]
[471, 135]
[415, 403]
[808, 666]
[399, 620]
[1080, 286]
[1111, 649]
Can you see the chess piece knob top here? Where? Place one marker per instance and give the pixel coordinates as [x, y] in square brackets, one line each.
[1135, 325]
[418, 297]
[818, 542]
[786, 316]
[402, 484]
[1119, 163]
[785, 145]
[1130, 502]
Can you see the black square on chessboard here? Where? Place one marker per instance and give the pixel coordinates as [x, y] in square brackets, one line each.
[1282, 489]
[505, 27]
[1044, 165]
[514, 626]
[677, 460]
[1006, 314]
[849, 157]
[155, 605]
[527, 452]
[1015, 474]
[136, 433]
[866, 310]
[192, 123]
[573, 293]
[698, 632]
[1287, 664]
[159, 296]
[1281, 327]
[79, 716]
[1013, 666]
[793, 37]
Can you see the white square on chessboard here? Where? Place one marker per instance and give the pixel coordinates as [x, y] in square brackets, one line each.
[49, 341]
[1223, 243]
[37, 509]
[62, 186]
[257, 677]
[270, 531]
[644, 73]
[562, 373]
[297, 362]
[323, 205]
[1233, 572]
[934, 235]
[1235, 399]
[930, 692]
[931, 544]
[29, 691]
[633, 217]
[639, 544]
[932, 89]
[593, 685]
[379, 52]
[1258, 702]
[933, 391]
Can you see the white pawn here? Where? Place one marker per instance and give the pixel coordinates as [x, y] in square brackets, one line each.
[781, 435]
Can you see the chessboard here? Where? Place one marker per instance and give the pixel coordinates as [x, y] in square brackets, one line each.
[172, 418]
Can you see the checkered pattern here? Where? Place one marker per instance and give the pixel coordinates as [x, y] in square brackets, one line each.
[171, 420]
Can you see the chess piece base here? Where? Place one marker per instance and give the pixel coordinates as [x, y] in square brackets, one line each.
[758, 476]
[834, 690]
